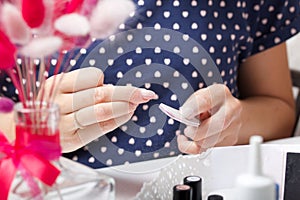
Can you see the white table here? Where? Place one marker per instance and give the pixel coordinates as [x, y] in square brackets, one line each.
[130, 178]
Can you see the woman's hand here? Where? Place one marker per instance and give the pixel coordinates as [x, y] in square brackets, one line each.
[89, 109]
[219, 113]
[266, 106]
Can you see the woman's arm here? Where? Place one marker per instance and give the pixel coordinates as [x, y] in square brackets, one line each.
[266, 92]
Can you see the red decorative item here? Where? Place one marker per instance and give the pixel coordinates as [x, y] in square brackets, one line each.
[36, 145]
[27, 154]
[74, 5]
[7, 52]
[33, 12]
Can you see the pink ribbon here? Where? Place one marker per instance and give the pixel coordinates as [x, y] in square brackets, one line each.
[31, 152]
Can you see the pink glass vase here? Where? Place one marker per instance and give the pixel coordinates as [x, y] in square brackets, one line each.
[41, 172]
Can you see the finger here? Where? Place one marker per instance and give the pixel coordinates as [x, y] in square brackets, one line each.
[192, 147]
[72, 141]
[103, 112]
[94, 114]
[209, 127]
[68, 123]
[203, 100]
[108, 93]
[230, 140]
[81, 79]
[94, 131]
[71, 102]
[130, 94]
[192, 133]
[228, 137]
[187, 146]
[205, 141]
[211, 141]
[231, 136]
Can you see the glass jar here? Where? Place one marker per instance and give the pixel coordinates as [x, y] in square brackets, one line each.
[37, 133]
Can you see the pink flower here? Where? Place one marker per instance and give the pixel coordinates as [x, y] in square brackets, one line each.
[33, 12]
[7, 52]
[14, 25]
[33, 30]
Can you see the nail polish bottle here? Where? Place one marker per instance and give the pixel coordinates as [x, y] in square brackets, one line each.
[215, 197]
[254, 185]
[195, 182]
[182, 192]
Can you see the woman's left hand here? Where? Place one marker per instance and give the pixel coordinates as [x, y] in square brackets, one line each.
[219, 113]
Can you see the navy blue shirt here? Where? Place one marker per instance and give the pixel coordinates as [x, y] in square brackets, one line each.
[175, 47]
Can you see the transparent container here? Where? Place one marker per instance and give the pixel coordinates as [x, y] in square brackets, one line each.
[37, 130]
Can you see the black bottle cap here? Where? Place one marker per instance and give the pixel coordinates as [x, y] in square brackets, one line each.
[182, 192]
[196, 184]
[215, 197]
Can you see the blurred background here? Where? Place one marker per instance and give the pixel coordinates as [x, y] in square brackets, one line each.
[294, 52]
[293, 46]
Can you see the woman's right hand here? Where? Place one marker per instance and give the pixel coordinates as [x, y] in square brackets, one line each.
[89, 108]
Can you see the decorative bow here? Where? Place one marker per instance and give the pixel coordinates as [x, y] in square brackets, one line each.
[32, 153]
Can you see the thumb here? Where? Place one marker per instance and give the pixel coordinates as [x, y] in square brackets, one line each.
[204, 101]
[198, 103]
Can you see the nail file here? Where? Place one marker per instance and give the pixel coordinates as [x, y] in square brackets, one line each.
[175, 114]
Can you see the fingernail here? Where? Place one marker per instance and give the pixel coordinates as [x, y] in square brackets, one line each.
[156, 97]
[148, 94]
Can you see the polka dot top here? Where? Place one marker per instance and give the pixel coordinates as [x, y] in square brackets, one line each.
[175, 47]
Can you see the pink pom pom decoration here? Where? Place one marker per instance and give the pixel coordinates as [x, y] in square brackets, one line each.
[6, 105]
[105, 20]
[41, 47]
[72, 25]
[88, 6]
[33, 12]
[14, 25]
[7, 52]
[34, 30]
